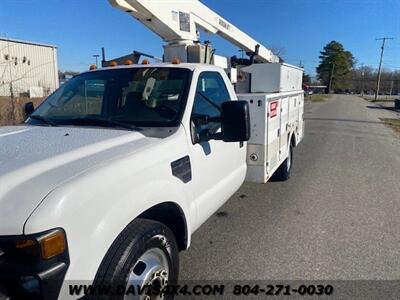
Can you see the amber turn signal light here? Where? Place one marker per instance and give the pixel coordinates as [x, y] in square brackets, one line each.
[24, 244]
[53, 244]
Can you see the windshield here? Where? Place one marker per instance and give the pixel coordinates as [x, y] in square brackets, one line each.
[136, 96]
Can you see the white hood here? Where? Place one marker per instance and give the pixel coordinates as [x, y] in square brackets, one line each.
[34, 160]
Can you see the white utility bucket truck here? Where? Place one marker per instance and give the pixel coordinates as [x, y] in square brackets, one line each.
[107, 179]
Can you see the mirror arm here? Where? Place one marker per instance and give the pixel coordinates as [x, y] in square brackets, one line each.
[204, 119]
[205, 136]
[215, 119]
[216, 136]
[200, 120]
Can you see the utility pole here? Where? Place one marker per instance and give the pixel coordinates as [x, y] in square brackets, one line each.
[11, 82]
[96, 56]
[362, 82]
[331, 78]
[378, 80]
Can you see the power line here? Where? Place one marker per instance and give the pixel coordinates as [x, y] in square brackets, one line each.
[378, 81]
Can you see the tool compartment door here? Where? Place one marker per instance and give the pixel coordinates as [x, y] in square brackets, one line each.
[283, 132]
[274, 128]
[300, 126]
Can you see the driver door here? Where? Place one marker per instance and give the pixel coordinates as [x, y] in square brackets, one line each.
[219, 168]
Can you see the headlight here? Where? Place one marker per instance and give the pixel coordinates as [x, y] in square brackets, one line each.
[43, 245]
[33, 266]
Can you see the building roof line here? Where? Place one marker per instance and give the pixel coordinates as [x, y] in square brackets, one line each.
[26, 42]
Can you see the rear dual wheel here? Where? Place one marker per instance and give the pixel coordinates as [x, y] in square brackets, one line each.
[284, 171]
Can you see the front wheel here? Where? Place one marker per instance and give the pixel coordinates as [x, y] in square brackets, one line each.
[285, 170]
[145, 254]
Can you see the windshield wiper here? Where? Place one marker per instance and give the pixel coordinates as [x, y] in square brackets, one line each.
[209, 101]
[43, 119]
[100, 122]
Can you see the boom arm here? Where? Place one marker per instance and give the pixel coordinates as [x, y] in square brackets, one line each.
[177, 22]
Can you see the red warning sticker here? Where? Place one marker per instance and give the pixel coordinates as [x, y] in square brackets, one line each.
[273, 109]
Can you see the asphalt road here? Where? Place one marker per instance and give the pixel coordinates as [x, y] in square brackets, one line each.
[337, 218]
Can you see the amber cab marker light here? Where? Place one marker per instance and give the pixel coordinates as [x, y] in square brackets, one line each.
[53, 245]
[145, 62]
[176, 61]
[113, 64]
[92, 67]
[24, 244]
[128, 62]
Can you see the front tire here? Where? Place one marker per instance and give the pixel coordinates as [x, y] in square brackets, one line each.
[145, 253]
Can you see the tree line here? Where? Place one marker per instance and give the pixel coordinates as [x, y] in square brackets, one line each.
[337, 70]
[363, 79]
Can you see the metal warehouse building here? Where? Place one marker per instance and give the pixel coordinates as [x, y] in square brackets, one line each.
[27, 68]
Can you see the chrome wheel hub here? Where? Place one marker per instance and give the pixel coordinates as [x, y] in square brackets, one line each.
[150, 270]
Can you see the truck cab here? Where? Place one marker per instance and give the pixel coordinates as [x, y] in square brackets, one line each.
[109, 177]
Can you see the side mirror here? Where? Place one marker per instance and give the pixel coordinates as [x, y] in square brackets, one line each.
[29, 108]
[235, 121]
